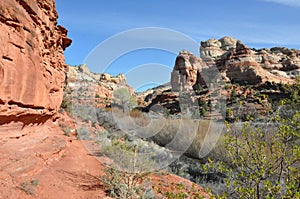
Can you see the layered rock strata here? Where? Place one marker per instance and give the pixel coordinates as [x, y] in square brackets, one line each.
[32, 69]
[236, 63]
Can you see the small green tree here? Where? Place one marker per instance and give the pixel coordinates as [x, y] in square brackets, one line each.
[124, 99]
[233, 94]
[264, 165]
[198, 89]
[263, 162]
[127, 177]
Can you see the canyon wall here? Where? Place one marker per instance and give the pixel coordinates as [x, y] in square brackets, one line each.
[32, 68]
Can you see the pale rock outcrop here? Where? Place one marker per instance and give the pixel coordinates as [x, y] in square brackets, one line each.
[228, 43]
[32, 69]
[215, 48]
[96, 88]
[211, 48]
[119, 79]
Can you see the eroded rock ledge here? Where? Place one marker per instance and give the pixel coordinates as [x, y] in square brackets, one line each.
[32, 69]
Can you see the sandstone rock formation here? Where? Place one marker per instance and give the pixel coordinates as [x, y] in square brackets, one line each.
[215, 48]
[97, 87]
[239, 63]
[236, 63]
[31, 61]
[186, 71]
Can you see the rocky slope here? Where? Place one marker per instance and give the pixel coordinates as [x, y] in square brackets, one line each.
[85, 86]
[32, 68]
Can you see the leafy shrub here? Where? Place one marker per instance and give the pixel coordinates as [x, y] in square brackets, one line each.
[83, 134]
[261, 162]
[66, 105]
[128, 180]
[121, 184]
[178, 191]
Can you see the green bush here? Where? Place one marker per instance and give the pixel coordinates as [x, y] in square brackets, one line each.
[262, 162]
[29, 186]
[124, 99]
[121, 184]
[129, 179]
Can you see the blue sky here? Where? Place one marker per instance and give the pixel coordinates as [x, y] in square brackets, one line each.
[257, 23]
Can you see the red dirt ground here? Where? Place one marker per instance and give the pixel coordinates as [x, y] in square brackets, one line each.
[42, 162]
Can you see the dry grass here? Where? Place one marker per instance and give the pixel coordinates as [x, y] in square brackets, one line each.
[135, 113]
[196, 138]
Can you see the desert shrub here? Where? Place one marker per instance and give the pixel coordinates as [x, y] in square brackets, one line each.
[263, 161]
[233, 94]
[83, 133]
[196, 113]
[66, 105]
[203, 139]
[169, 131]
[198, 89]
[136, 113]
[29, 186]
[203, 111]
[65, 129]
[121, 184]
[200, 135]
[139, 118]
[179, 194]
[123, 99]
[178, 191]
[128, 177]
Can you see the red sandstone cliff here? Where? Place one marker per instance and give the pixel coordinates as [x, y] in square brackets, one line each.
[32, 69]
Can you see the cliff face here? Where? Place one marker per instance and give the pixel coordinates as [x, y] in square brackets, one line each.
[32, 69]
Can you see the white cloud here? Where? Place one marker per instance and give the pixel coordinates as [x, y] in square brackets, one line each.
[286, 2]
